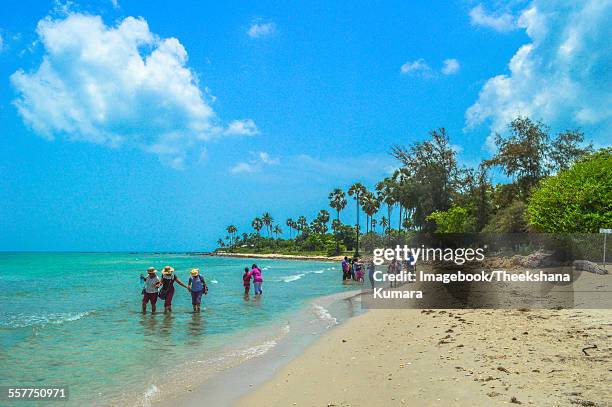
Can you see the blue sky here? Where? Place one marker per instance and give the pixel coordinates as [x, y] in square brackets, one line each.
[150, 125]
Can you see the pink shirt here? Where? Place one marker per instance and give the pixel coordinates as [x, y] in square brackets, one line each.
[257, 277]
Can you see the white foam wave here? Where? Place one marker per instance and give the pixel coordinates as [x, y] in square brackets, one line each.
[214, 281]
[323, 314]
[318, 271]
[288, 279]
[24, 320]
[151, 391]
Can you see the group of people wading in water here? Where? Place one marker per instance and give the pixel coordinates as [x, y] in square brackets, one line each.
[163, 288]
[152, 283]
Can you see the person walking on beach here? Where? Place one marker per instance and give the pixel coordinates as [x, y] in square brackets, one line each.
[149, 293]
[167, 291]
[246, 281]
[358, 266]
[394, 268]
[257, 279]
[346, 273]
[197, 286]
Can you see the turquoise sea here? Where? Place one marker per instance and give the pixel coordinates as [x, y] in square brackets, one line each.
[73, 319]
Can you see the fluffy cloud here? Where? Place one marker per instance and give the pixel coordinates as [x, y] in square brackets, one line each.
[501, 22]
[561, 77]
[117, 85]
[451, 66]
[255, 163]
[416, 68]
[258, 29]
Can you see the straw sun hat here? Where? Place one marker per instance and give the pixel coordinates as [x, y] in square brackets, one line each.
[167, 270]
[194, 272]
[151, 270]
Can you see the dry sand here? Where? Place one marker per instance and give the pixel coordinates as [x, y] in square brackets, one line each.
[452, 357]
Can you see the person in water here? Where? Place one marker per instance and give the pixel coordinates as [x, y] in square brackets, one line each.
[167, 291]
[371, 271]
[257, 279]
[346, 273]
[149, 293]
[246, 281]
[197, 286]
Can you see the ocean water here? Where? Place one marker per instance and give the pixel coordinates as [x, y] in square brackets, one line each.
[74, 319]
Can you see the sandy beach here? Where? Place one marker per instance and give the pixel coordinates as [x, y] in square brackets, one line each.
[452, 357]
[276, 256]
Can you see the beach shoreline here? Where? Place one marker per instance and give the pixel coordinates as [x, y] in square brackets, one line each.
[450, 357]
[278, 256]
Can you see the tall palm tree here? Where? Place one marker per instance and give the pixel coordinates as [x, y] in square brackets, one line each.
[337, 201]
[221, 243]
[290, 224]
[357, 190]
[302, 224]
[231, 229]
[268, 220]
[373, 223]
[384, 223]
[277, 230]
[323, 218]
[386, 193]
[400, 177]
[370, 206]
[257, 225]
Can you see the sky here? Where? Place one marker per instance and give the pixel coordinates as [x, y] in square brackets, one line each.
[152, 125]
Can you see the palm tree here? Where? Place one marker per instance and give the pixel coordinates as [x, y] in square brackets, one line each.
[384, 223]
[290, 224]
[399, 176]
[337, 200]
[231, 229]
[302, 224]
[370, 207]
[386, 193]
[221, 243]
[357, 190]
[373, 223]
[268, 220]
[257, 225]
[323, 218]
[277, 230]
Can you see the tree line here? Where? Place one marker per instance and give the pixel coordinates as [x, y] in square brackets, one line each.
[556, 184]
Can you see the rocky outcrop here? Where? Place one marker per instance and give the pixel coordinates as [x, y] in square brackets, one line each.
[589, 266]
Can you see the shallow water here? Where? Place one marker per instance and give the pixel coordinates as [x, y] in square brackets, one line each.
[73, 319]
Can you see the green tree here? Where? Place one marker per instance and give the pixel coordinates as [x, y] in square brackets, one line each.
[528, 154]
[357, 190]
[578, 199]
[268, 221]
[231, 229]
[337, 201]
[257, 225]
[454, 220]
[277, 230]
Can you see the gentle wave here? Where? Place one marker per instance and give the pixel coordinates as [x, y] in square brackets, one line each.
[323, 314]
[288, 279]
[148, 395]
[24, 320]
[214, 281]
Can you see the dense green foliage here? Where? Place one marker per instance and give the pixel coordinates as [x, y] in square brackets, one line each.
[578, 199]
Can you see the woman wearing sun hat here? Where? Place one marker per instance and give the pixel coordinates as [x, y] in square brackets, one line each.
[197, 286]
[167, 291]
[149, 293]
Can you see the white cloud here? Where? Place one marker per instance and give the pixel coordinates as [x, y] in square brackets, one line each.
[256, 163]
[120, 85]
[259, 29]
[1, 43]
[416, 68]
[451, 66]
[242, 128]
[115, 3]
[561, 77]
[502, 22]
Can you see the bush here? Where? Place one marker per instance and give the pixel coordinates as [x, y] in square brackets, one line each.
[455, 220]
[575, 200]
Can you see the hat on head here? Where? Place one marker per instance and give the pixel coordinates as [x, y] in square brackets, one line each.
[194, 272]
[151, 270]
[167, 270]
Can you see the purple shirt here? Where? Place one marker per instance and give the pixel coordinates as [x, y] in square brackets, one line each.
[256, 273]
